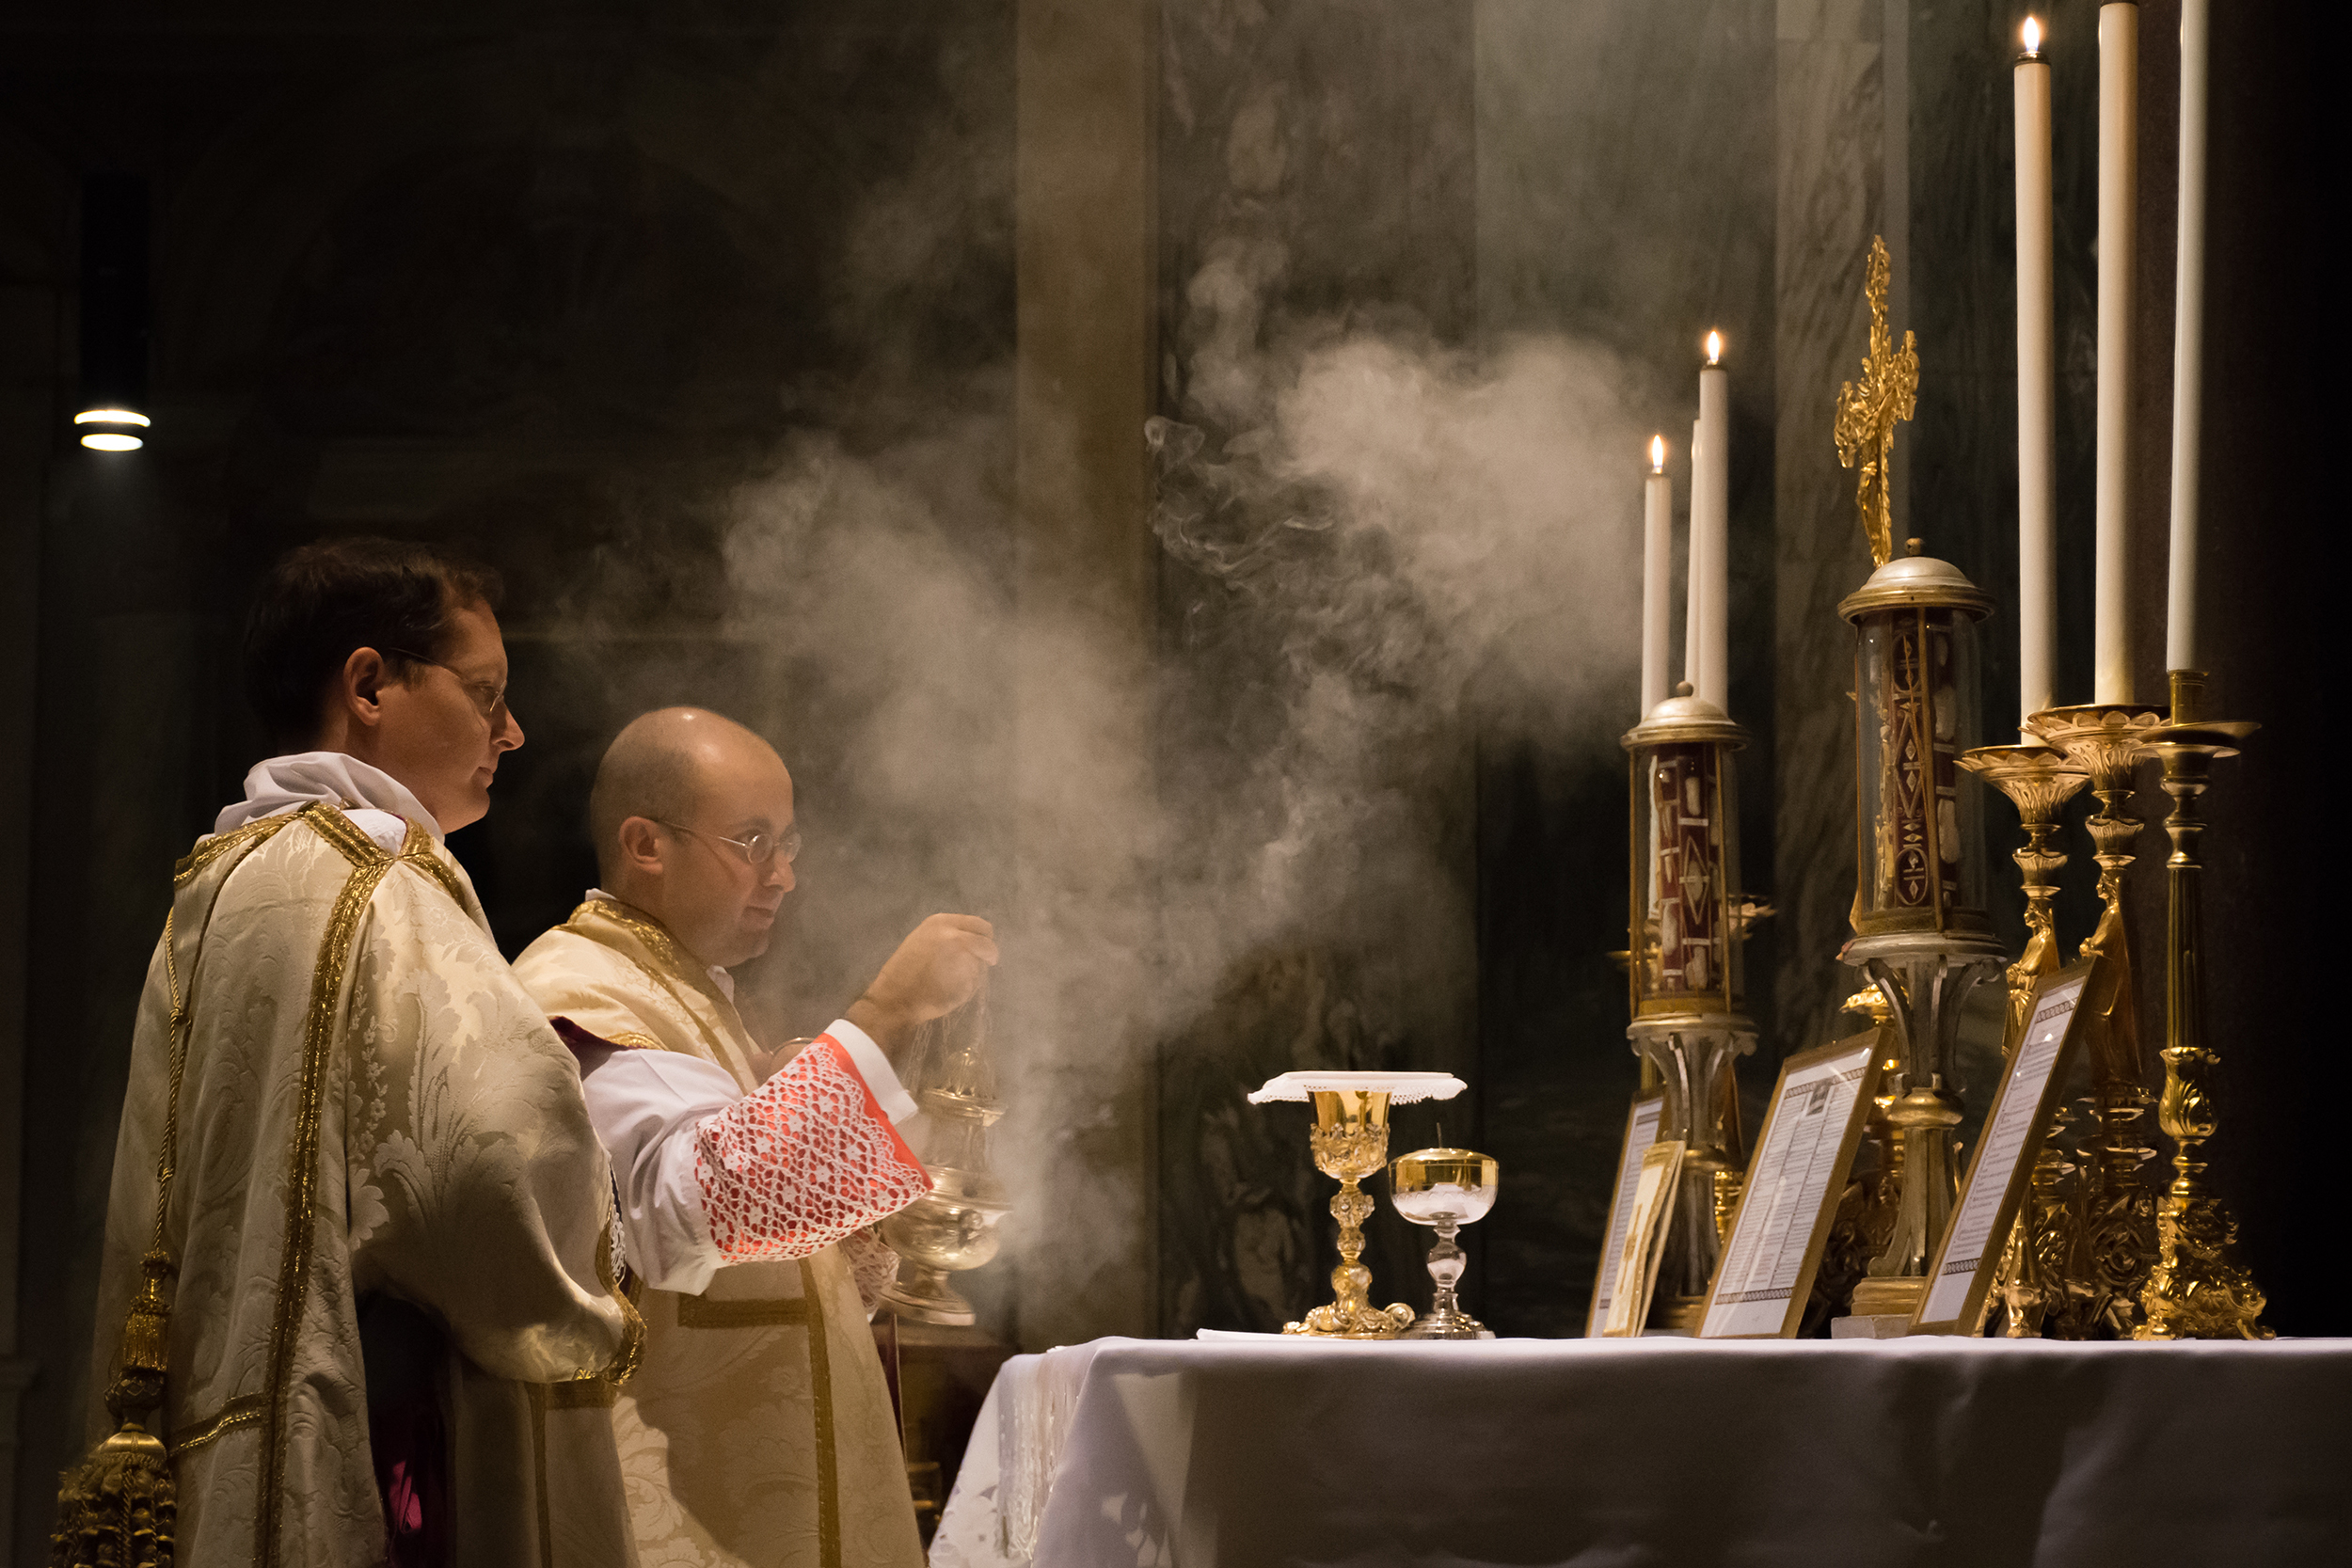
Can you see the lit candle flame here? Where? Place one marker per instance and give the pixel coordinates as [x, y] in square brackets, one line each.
[1714, 348]
[2033, 37]
[1658, 454]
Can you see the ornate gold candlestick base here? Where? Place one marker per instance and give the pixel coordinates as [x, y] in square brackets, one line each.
[1350, 1140]
[2198, 1290]
[1925, 978]
[2039, 781]
[1694, 1056]
[2108, 740]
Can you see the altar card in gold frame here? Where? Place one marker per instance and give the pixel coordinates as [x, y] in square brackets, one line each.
[1640, 1130]
[1644, 1245]
[1969, 1254]
[1812, 1126]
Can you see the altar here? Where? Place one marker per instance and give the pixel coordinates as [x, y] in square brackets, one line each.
[1258, 1450]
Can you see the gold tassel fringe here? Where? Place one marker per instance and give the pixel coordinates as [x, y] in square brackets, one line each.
[119, 1508]
[146, 1340]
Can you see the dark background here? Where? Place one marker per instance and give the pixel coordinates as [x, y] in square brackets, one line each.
[557, 284]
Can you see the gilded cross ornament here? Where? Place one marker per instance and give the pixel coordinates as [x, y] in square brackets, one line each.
[1869, 412]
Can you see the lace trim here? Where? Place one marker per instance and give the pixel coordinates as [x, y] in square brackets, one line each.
[803, 1163]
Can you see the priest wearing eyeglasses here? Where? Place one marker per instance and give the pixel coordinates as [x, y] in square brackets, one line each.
[358, 1250]
[758, 1430]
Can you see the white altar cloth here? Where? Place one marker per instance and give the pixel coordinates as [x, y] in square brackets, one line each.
[1809, 1453]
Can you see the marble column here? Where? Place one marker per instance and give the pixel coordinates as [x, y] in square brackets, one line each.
[1832, 198]
[1078, 970]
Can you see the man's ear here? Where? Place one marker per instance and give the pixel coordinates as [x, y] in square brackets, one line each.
[358, 692]
[641, 844]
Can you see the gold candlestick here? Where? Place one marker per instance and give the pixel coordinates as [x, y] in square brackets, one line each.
[2038, 780]
[2108, 739]
[2197, 1290]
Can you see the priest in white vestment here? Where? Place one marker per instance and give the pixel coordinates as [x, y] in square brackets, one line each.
[387, 1251]
[758, 1430]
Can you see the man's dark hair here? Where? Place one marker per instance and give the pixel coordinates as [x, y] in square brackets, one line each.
[323, 600]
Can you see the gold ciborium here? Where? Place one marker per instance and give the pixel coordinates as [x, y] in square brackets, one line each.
[1444, 1189]
[1350, 1140]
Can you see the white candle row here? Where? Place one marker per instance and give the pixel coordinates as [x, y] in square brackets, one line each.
[2119, 195]
[1706, 643]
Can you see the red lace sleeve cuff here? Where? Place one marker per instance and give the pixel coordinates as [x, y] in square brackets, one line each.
[803, 1162]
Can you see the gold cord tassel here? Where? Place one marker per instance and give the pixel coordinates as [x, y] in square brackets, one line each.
[146, 1341]
[117, 1510]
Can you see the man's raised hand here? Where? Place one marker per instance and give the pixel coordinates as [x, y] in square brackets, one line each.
[934, 971]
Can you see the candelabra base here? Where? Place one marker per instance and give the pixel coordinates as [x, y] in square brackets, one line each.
[1880, 1297]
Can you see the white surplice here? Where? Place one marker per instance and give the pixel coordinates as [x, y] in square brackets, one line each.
[371, 1106]
[758, 1430]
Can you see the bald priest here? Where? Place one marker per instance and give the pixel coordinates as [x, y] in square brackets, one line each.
[758, 1430]
[360, 1223]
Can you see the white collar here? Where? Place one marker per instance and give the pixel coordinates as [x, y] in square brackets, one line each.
[719, 977]
[283, 784]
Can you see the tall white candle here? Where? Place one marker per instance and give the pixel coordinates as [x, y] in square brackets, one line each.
[2118, 187]
[1658, 506]
[2037, 482]
[1715, 508]
[1693, 563]
[2188, 330]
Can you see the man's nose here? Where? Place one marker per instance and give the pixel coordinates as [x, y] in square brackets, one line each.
[778, 873]
[509, 736]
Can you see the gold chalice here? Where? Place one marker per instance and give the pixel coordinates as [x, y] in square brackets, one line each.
[1445, 1189]
[1350, 1142]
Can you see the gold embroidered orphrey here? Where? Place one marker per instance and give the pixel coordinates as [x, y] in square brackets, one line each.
[1868, 413]
[710, 1431]
[122, 1507]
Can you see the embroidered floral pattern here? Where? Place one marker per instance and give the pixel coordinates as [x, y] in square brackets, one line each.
[805, 1162]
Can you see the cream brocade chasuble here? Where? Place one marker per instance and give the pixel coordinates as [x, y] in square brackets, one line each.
[369, 1104]
[758, 1430]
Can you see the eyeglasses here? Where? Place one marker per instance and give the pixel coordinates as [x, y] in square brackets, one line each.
[756, 850]
[486, 699]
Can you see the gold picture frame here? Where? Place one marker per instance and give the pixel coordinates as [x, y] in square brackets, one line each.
[1960, 1276]
[1640, 1130]
[1812, 1128]
[1644, 1245]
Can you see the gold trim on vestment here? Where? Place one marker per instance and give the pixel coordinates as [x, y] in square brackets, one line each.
[656, 939]
[192, 864]
[243, 1411]
[344, 834]
[632, 1350]
[631, 1040]
[582, 1393]
[369, 862]
[755, 1313]
[820, 1418]
[416, 851]
[537, 1397]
